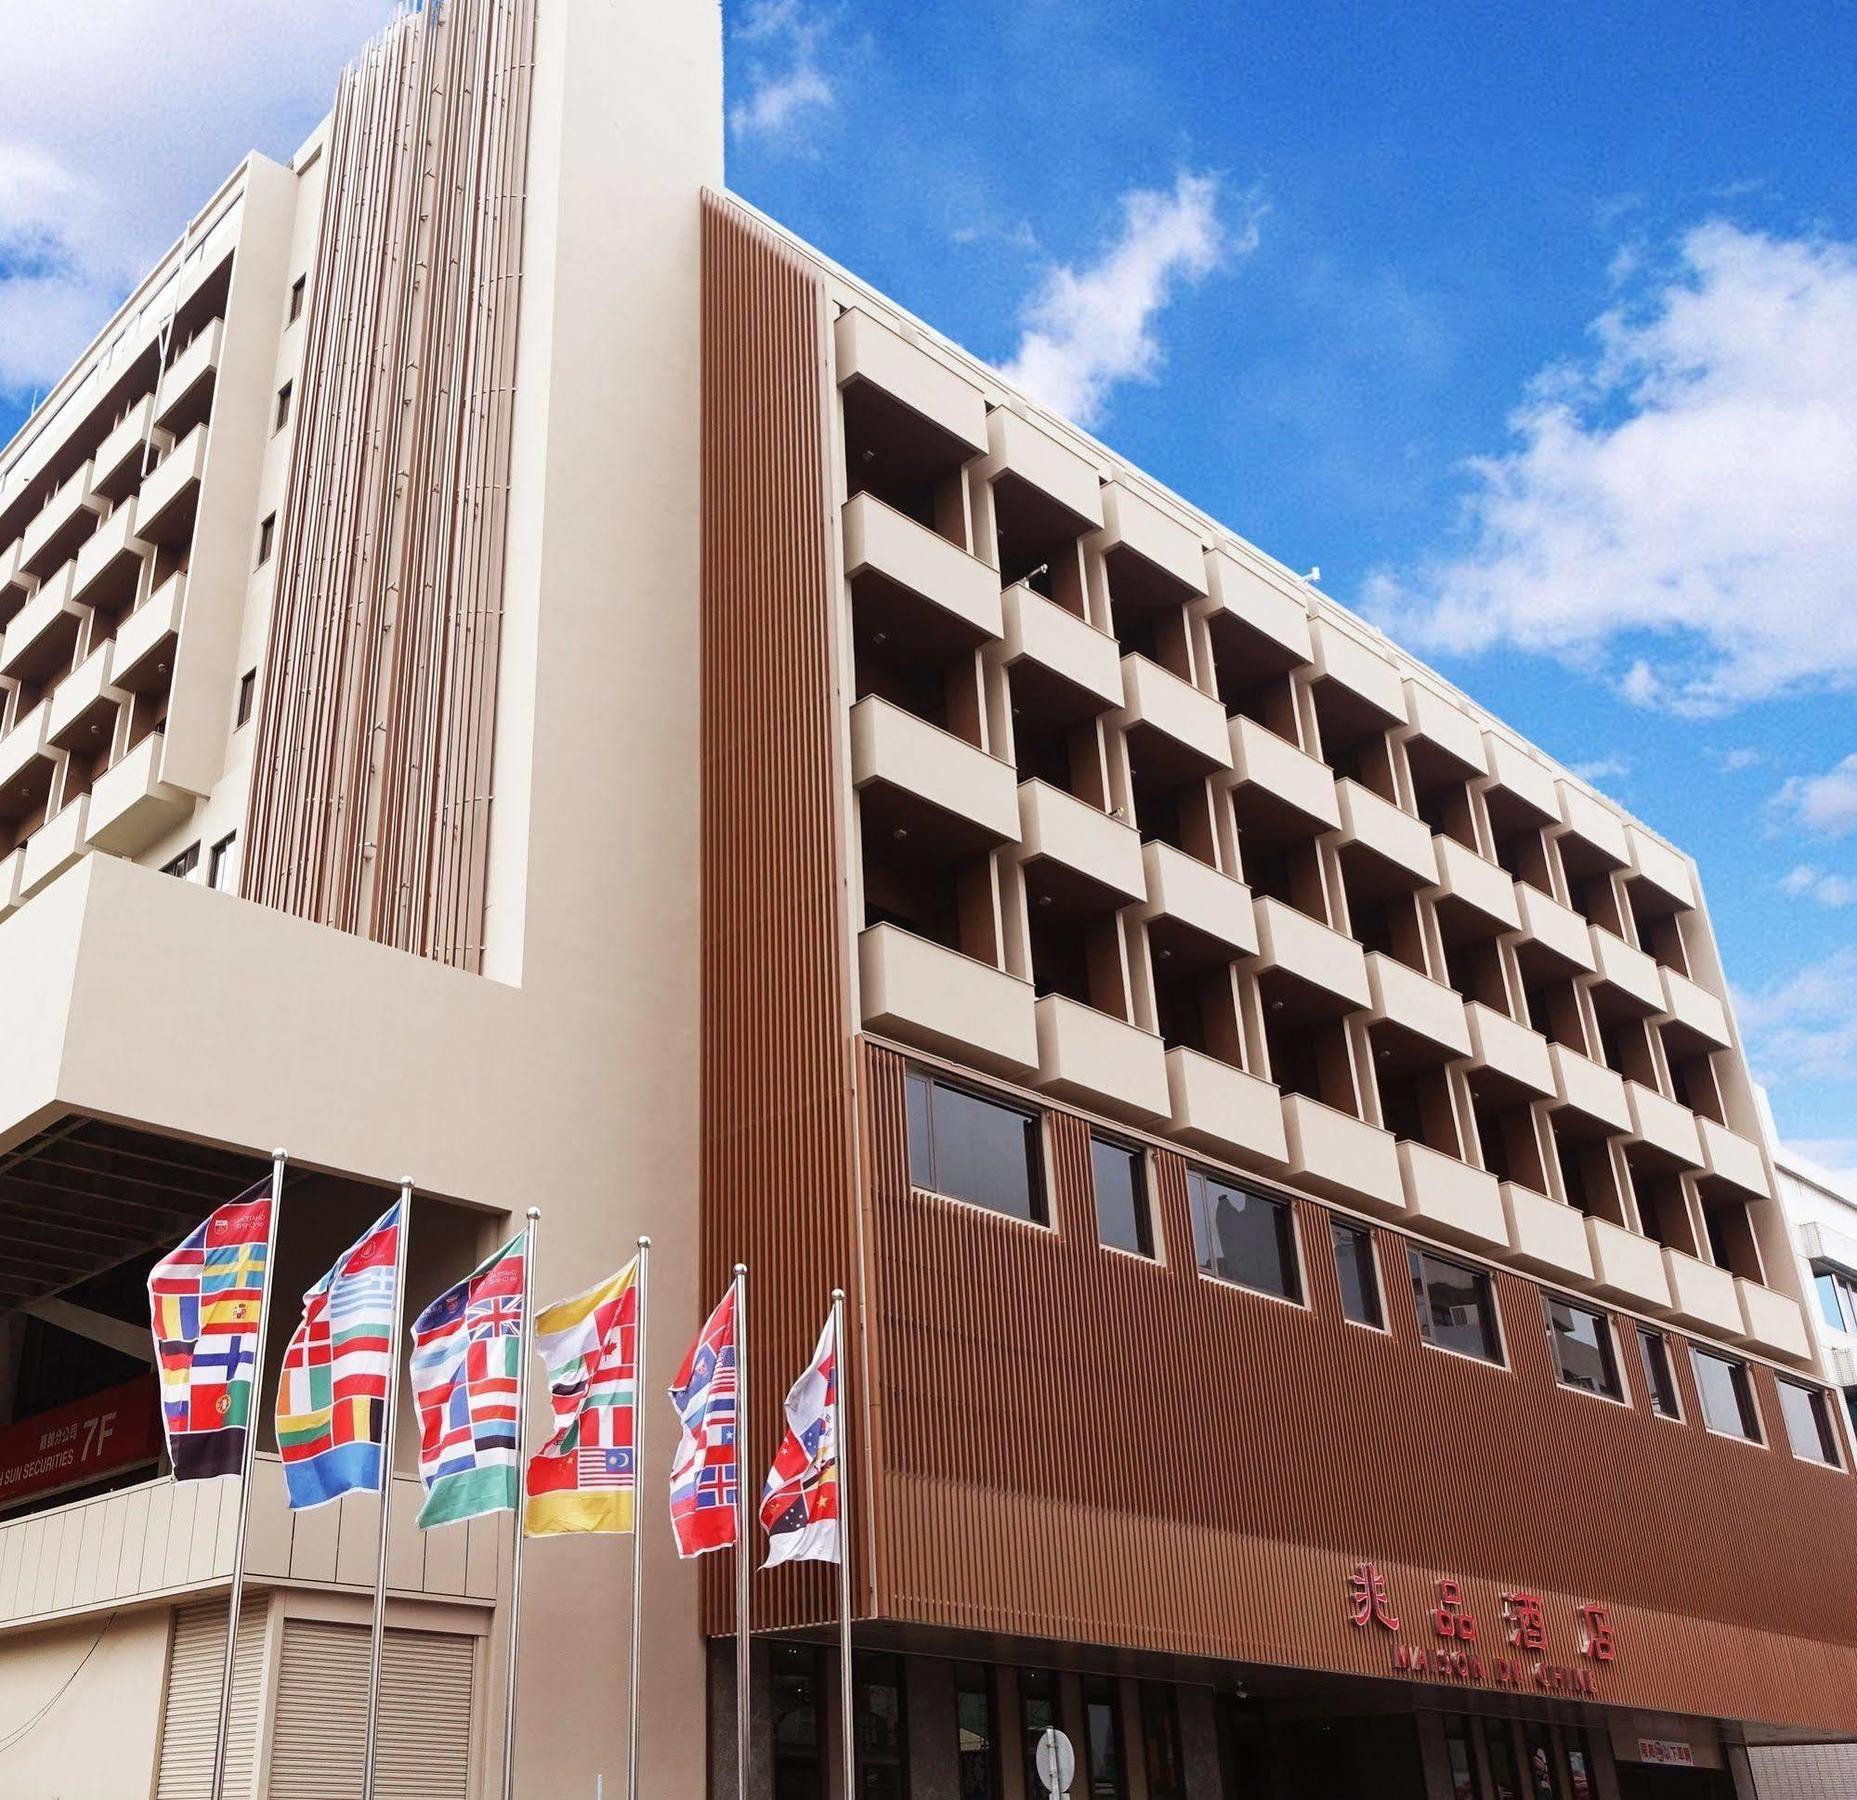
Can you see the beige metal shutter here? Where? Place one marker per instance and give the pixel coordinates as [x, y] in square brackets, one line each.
[319, 1737]
[190, 1713]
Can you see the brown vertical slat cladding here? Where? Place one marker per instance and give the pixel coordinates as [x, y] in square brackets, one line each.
[370, 792]
[1084, 1446]
[778, 1131]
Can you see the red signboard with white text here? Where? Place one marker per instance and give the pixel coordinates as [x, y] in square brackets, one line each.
[98, 1436]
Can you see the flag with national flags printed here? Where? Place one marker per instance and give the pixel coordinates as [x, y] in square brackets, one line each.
[206, 1307]
[707, 1469]
[332, 1399]
[466, 1371]
[585, 1477]
[799, 1504]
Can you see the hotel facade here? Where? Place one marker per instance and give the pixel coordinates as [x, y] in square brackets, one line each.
[518, 673]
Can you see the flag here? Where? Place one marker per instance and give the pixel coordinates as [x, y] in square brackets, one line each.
[332, 1397]
[706, 1472]
[799, 1504]
[585, 1477]
[206, 1307]
[467, 1384]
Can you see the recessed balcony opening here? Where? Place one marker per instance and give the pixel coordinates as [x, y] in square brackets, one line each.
[1661, 937]
[51, 654]
[112, 595]
[23, 802]
[1255, 675]
[1193, 1005]
[1308, 1053]
[926, 870]
[1584, 1155]
[1692, 1076]
[1379, 860]
[1037, 540]
[1138, 586]
[87, 740]
[13, 595]
[1389, 923]
[148, 713]
[1075, 953]
[904, 459]
[1731, 1236]
[1054, 732]
[1288, 869]
[1663, 1213]
[64, 543]
[1521, 844]
[1552, 1006]
[1589, 878]
[1176, 813]
[1157, 632]
[1625, 1047]
[1507, 1137]
[1473, 962]
[1415, 1093]
[1441, 791]
[1353, 733]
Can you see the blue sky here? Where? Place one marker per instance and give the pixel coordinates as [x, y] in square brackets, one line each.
[1533, 327]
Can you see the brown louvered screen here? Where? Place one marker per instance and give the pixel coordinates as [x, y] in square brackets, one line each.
[190, 1710]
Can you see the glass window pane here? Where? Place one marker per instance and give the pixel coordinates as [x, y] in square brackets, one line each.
[1251, 1239]
[1808, 1424]
[1456, 1308]
[921, 1145]
[1464, 1784]
[1582, 1343]
[1579, 1765]
[1037, 1715]
[1103, 1726]
[1657, 1374]
[986, 1153]
[1501, 1747]
[883, 1768]
[1360, 1293]
[1540, 1762]
[1160, 1730]
[794, 1697]
[1727, 1401]
[1122, 1219]
[1830, 1303]
[975, 1748]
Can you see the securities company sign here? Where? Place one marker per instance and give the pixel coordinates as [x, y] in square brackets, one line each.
[113, 1430]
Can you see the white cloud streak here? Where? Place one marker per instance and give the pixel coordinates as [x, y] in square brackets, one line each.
[786, 86]
[1804, 1026]
[1825, 803]
[1684, 501]
[1804, 882]
[1087, 330]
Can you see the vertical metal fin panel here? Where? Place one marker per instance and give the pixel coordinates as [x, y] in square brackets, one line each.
[371, 782]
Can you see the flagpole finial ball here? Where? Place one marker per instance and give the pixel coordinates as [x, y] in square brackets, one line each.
[644, 1243]
[278, 1156]
[406, 1181]
[534, 1212]
[741, 1268]
[838, 1293]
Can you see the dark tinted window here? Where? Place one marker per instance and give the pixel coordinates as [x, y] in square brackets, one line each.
[1122, 1215]
[1463, 1754]
[973, 1148]
[1244, 1237]
[1360, 1293]
[1160, 1741]
[1808, 1423]
[1727, 1395]
[1457, 1311]
[1582, 1344]
[883, 1753]
[1657, 1376]
[976, 1742]
[793, 1696]
[1102, 1719]
[1037, 1715]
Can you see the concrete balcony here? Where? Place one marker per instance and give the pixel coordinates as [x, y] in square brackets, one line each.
[54, 847]
[1391, 845]
[1028, 453]
[1424, 1009]
[1522, 780]
[1736, 1161]
[924, 994]
[1702, 1295]
[1663, 1127]
[10, 866]
[109, 565]
[1095, 859]
[1694, 1014]
[1064, 647]
[1589, 1089]
[1343, 1158]
[1627, 978]
[1771, 1321]
[1446, 728]
[929, 783]
[1370, 680]
[943, 596]
[1595, 825]
[118, 462]
[1516, 1056]
[1545, 1236]
[23, 744]
[952, 406]
[1225, 1112]
[1479, 894]
[1661, 869]
[195, 368]
[79, 696]
[1454, 1200]
[1626, 1267]
[1194, 911]
[1190, 725]
[39, 642]
[1557, 930]
[1097, 1061]
[1277, 787]
[164, 509]
[131, 806]
[1328, 971]
[53, 535]
[1134, 528]
[1267, 611]
[145, 640]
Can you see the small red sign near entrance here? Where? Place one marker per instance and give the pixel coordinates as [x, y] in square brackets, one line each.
[113, 1430]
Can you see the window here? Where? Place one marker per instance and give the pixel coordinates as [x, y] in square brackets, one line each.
[973, 1149]
[883, 1754]
[1457, 1310]
[248, 694]
[1727, 1395]
[281, 417]
[267, 535]
[1582, 1343]
[222, 867]
[1579, 1763]
[183, 865]
[1837, 1299]
[794, 1691]
[976, 1747]
[1657, 1377]
[1123, 1220]
[1160, 1739]
[1037, 1715]
[1243, 1237]
[1102, 1725]
[1504, 1783]
[1360, 1291]
[296, 298]
[1463, 1754]
[1808, 1423]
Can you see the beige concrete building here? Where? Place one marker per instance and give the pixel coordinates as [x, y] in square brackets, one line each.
[646, 728]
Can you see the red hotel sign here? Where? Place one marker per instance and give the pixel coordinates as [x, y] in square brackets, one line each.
[113, 1430]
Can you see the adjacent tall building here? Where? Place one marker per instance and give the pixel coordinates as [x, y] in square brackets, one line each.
[647, 728]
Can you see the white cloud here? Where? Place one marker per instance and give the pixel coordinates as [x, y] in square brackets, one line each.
[1684, 500]
[1088, 329]
[1601, 768]
[1804, 1026]
[1803, 881]
[117, 129]
[785, 81]
[1832, 1159]
[1744, 756]
[1824, 803]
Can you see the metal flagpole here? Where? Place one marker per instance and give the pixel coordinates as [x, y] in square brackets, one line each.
[515, 1571]
[846, 1687]
[251, 1442]
[742, 1547]
[402, 1231]
[638, 1493]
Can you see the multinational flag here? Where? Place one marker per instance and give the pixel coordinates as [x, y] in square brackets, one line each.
[332, 1399]
[206, 1307]
[467, 1383]
[706, 1473]
[585, 1477]
[799, 1504]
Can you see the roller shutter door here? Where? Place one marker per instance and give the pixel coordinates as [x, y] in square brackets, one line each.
[320, 1734]
[190, 1711]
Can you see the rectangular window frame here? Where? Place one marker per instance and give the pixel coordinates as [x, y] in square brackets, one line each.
[267, 539]
[1042, 1217]
[183, 866]
[280, 415]
[216, 864]
[1621, 1395]
[1646, 1335]
[1759, 1440]
[1822, 1417]
[247, 700]
[1338, 1223]
[1298, 1253]
[1417, 1254]
[298, 289]
[976, 1679]
[1146, 1236]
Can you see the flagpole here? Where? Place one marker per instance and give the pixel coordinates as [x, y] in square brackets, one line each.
[742, 1545]
[515, 1571]
[402, 1231]
[638, 1494]
[251, 1441]
[846, 1686]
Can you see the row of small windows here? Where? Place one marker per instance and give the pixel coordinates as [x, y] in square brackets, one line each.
[973, 1147]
